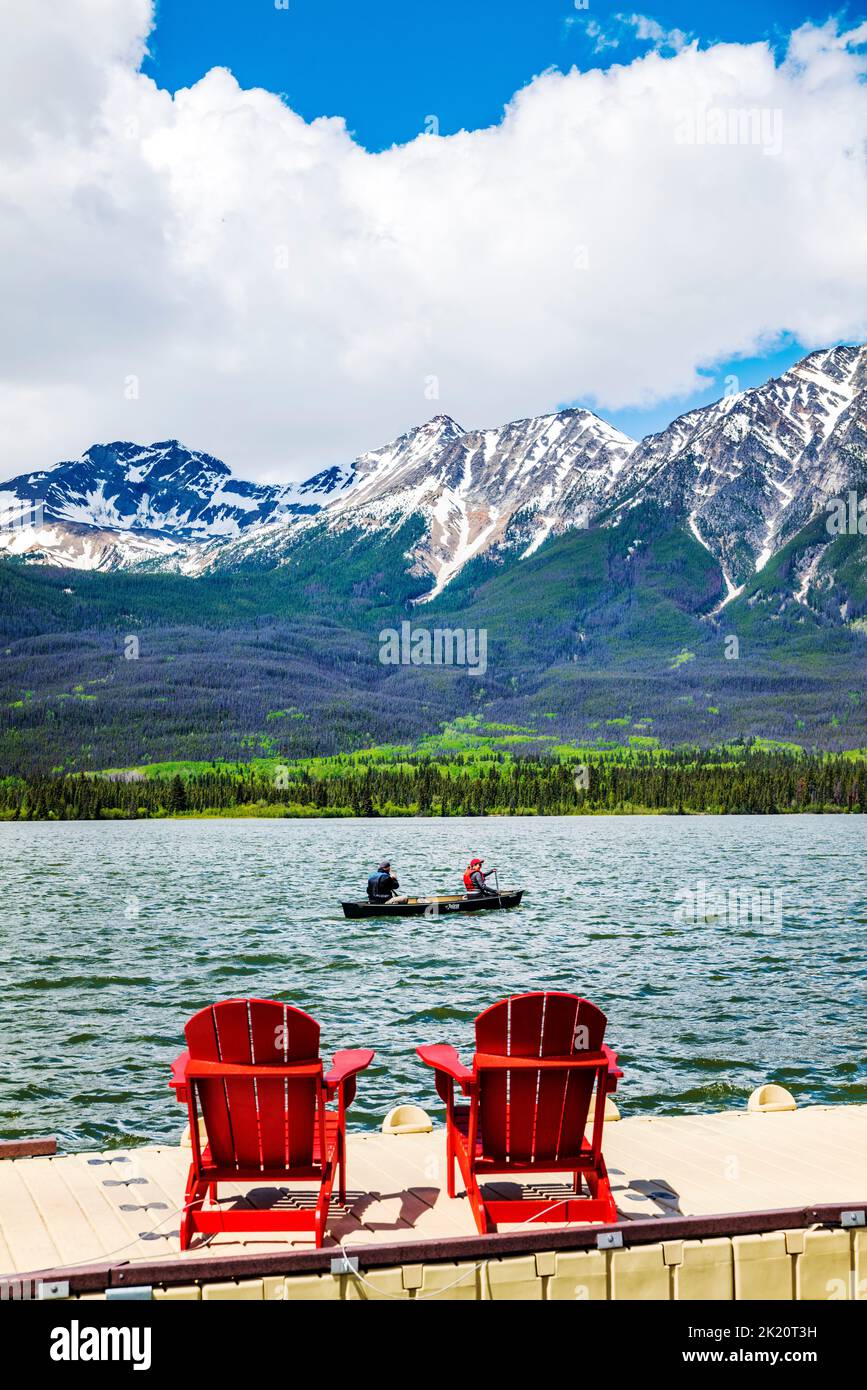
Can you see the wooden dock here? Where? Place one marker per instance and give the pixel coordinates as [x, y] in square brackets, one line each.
[112, 1218]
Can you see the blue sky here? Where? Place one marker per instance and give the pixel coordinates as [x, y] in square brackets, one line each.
[287, 236]
[387, 68]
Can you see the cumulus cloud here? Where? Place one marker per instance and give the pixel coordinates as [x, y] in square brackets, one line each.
[212, 267]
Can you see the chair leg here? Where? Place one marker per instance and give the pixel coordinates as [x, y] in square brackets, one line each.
[341, 1160]
[600, 1190]
[477, 1204]
[450, 1162]
[319, 1221]
[194, 1198]
[320, 1218]
[577, 1186]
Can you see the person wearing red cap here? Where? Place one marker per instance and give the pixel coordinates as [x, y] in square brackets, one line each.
[474, 879]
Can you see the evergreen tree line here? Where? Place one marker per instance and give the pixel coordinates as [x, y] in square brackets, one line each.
[755, 783]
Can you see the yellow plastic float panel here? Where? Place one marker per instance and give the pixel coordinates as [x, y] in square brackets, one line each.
[460, 1283]
[781, 1266]
[514, 1279]
[705, 1271]
[764, 1267]
[824, 1269]
[375, 1285]
[312, 1288]
[859, 1265]
[234, 1290]
[640, 1273]
[580, 1276]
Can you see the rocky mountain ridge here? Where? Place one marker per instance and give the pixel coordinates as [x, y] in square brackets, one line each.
[744, 476]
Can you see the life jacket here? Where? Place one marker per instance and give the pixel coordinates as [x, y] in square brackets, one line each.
[468, 881]
[379, 886]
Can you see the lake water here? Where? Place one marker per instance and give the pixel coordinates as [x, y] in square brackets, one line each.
[113, 933]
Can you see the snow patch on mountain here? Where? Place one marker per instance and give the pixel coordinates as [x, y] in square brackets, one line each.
[752, 469]
[744, 475]
[485, 492]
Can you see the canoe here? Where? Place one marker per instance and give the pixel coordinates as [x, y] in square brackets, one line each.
[435, 906]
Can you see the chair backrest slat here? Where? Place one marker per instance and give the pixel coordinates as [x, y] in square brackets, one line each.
[257, 1122]
[287, 1109]
[201, 1035]
[532, 1116]
[232, 1023]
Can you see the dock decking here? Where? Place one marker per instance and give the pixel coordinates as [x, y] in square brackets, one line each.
[122, 1206]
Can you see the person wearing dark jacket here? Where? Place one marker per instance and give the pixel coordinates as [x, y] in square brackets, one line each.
[381, 886]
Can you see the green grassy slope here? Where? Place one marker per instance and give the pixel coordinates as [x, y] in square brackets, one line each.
[605, 633]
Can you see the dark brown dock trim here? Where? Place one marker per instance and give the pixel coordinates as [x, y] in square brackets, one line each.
[28, 1148]
[203, 1267]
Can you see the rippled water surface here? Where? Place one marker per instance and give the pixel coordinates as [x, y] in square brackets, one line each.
[113, 933]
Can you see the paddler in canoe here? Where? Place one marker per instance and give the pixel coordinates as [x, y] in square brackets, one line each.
[384, 900]
[382, 886]
[474, 880]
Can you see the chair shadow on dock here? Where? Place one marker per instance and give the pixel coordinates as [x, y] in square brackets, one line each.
[653, 1190]
[362, 1210]
[377, 1212]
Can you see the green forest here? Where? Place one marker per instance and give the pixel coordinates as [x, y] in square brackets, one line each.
[603, 629]
[689, 781]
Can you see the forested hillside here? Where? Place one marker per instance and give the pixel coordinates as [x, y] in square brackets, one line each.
[724, 781]
[603, 632]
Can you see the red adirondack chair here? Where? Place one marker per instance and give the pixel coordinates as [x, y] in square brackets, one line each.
[538, 1058]
[253, 1073]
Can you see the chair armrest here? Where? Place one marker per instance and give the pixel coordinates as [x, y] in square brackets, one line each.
[345, 1066]
[614, 1072]
[572, 1061]
[444, 1058]
[178, 1082]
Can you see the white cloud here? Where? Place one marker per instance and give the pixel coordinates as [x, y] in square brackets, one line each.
[651, 31]
[602, 38]
[635, 27]
[143, 237]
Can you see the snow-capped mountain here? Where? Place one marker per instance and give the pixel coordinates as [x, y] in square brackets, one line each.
[122, 505]
[742, 476]
[751, 470]
[483, 490]
[476, 492]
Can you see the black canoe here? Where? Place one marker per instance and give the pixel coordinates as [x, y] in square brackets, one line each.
[435, 906]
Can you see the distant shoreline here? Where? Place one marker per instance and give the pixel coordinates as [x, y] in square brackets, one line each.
[278, 813]
[722, 781]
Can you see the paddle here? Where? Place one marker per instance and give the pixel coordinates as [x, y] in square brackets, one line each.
[497, 881]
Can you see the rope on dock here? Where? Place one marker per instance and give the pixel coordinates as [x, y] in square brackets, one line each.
[383, 1293]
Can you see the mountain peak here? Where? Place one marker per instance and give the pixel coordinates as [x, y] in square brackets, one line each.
[442, 425]
[846, 355]
[742, 475]
[750, 470]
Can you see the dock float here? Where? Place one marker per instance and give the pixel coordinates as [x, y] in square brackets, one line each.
[740, 1205]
